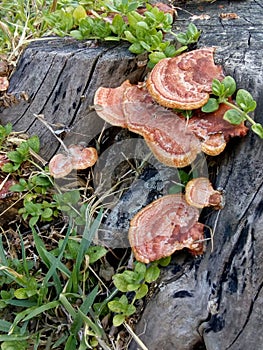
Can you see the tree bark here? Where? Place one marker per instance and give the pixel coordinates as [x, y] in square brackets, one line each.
[212, 302]
[215, 302]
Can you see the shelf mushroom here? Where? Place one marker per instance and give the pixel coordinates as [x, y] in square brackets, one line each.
[78, 158]
[185, 81]
[199, 193]
[166, 225]
[164, 132]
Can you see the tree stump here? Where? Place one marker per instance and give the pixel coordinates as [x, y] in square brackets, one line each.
[212, 302]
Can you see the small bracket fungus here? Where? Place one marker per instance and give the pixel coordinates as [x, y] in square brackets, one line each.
[78, 158]
[165, 226]
[213, 131]
[184, 81]
[200, 193]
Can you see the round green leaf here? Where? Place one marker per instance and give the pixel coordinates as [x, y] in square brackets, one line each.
[79, 13]
[245, 101]
[142, 291]
[258, 129]
[152, 274]
[230, 85]
[233, 117]
[211, 106]
[118, 320]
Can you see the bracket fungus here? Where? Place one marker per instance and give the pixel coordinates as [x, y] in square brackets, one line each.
[164, 132]
[184, 81]
[200, 193]
[213, 131]
[152, 239]
[78, 158]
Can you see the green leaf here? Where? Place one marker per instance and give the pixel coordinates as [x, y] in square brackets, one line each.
[79, 13]
[47, 213]
[95, 253]
[245, 101]
[15, 157]
[17, 188]
[118, 25]
[120, 282]
[155, 57]
[218, 89]
[164, 261]
[234, 117]
[152, 274]
[116, 306]
[33, 221]
[118, 320]
[140, 268]
[39, 310]
[136, 48]
[142, 291]
[14, 345]
[129, 36]
[211, 106]
[258, 129]
[230, 86]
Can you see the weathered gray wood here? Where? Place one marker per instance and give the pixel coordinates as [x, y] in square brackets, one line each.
[215, 302]
[212, 302]
[60, 77]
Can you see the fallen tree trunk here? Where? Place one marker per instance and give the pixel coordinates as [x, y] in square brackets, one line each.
[214, 301]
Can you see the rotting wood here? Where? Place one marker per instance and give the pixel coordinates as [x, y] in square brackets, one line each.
[60, 76]
[213, 302]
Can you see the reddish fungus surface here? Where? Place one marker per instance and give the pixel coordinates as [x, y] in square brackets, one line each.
[199, 193]
[108, 104]
[78, 158]
[165, 226]
[213, 131]
[184, 81]
[82, 157]
[165, 133]
[60, 166]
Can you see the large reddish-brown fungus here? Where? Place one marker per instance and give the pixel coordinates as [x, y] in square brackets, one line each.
[152, 238]
[184, 81]
[165, 133]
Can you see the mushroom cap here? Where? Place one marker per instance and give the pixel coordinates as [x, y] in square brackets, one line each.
[4, 83]
[81, 157]
[184, 81]
[108, 104]
[164, 226]
[60, 165]
[213, 131]
[200, 193]
[164, 132]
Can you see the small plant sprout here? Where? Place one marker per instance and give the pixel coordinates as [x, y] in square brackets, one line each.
[244, 104]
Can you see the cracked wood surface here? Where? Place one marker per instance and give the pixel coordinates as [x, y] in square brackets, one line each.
[212, 302]
[215, 302]
[60, 76]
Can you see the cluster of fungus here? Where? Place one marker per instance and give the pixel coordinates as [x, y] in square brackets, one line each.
[77, 158]
[150, 109]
